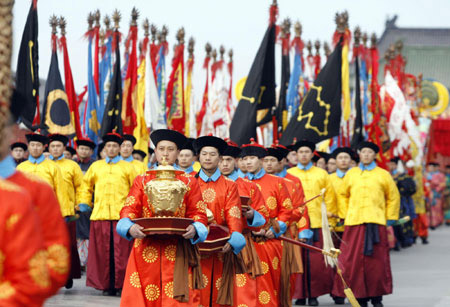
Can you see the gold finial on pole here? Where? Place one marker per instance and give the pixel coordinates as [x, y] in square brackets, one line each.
[97, 18]
[107, 22]
[54, 23]
[180, 36]
[208, 49]
[357, 36]
[191, 47]
[365, 37]
[298, 29]
[62, 25]
[309, 48]
[230, 55]
[116, 18]
[146, 26]
[317, 46]
[154, 32]
[90, 20]
[134, 17]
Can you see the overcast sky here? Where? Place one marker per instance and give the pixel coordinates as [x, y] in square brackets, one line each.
[237, 24]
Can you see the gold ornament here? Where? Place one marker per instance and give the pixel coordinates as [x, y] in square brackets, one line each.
[165, 192]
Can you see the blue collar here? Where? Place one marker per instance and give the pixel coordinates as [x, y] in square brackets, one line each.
[282, 174]
[256, 176]
[241, 173]
[113, 160]
[151, 165]
[214, 176]
[57, 159]
[188, 170]
[129, 159]
[36, 161]
[340, 173]
[394, 172]
[234, 175]
[305, 168]
[7, 167]
[369, 167]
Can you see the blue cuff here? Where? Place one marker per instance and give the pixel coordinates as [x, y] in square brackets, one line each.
[237, 242]
[84, 208]
[123, 226]
[391, 222]
[258, 220]
[305, 234]
[283, 228]
[202, 233]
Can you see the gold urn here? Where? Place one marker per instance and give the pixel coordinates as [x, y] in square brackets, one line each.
[165, 192]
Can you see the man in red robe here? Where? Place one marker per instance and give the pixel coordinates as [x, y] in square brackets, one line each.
[163, 271]
[271, 290]
[221, 197]
[245, 291]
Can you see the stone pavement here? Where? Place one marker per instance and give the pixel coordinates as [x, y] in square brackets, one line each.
[421, 279]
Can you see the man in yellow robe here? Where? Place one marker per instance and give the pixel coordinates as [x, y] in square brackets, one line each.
[110, 179]
[44, 168]
[372, 201]
[126, 152]
[72, 176]
[317, 278]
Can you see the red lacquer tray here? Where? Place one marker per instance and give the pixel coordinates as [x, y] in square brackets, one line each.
[164, 225]
[217, 238]
[245, 202]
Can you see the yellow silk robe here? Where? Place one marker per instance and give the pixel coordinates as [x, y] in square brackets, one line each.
[51, 173]
[370, 197]
[139, 167]
[313, 181]
[111, 183]
[73, 177]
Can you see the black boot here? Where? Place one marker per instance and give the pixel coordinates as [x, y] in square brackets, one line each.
[69, 284]
[313, 301]
[424, 240]
[339, 300]
[376, 301]
[363, 302]
[300, 302]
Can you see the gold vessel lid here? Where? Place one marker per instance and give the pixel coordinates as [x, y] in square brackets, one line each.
[165, 170]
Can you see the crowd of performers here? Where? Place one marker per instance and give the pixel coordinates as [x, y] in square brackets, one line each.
[65, 212]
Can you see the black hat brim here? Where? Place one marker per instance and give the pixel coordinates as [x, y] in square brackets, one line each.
[168, 135]
[210, 141]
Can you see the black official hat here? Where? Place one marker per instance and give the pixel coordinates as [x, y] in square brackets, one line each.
[112, 137]
[253, 149]
[189, 145]
[212, 141]
[71, 150]
[18, 144]
[58, 137]
[304, 143]
[140, 152]
[168, 135]
[275, 152]
[85, 142]
[129, 137]
[324, 155]
[232, 149]
[370, 145]
[346, 150]
[37, 137]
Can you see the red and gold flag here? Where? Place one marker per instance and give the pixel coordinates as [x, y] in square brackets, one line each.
[175, 110]
[129, 102]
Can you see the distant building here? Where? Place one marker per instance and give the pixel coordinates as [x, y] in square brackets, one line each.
[427, 50]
